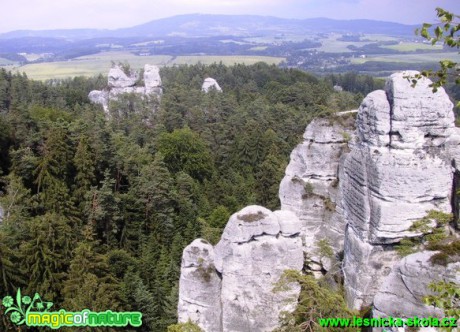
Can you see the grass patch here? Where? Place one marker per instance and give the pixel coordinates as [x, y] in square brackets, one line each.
[410, 58]
[205, 272]
[324, 248]
[449, 252]
[328, 204]
[432, 237]
[308, 190]
[226, 60]
[412, 47]
[332, 45]
[252, 217]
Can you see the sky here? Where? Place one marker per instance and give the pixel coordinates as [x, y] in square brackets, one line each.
[112, 14]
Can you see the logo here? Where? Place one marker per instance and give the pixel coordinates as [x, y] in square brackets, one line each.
[24, 310]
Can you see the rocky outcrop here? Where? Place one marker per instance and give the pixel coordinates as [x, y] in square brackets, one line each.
[311, 183]
[257, 246]
[118, 78]
[397, 172]
[209, 84]
[122, 83]
[358, 189]
[200, 287]
[402, 292]
[152, 80]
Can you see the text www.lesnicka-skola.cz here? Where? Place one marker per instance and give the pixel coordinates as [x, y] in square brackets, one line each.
[388, 322]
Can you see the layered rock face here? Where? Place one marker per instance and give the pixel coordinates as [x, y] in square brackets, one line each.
[398, 171]
[236, 292]
[360, 191]
[402, 292]
[120, 83]
[310, 186]
[210, 83]
[200, 287]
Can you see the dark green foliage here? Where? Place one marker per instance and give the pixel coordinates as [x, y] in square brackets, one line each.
[316, 301]
[98, 210]
[185, 151]
[449, 252]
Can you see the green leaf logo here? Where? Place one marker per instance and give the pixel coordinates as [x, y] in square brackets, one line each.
[23, 305]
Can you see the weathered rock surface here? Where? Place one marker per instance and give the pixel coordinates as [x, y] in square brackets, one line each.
[210, 83]
[310, 186]
[119, 79]
[257, 246]
[402, 292]
[100, 97]
[119, 84]
[200, 287]
[152, 79]
[361, 191]
[397, 172]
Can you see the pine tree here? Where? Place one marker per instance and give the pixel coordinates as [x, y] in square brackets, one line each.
[103, 212]
[84, 163]
[156, 197]
[269, 175]
[45, 254]
[89, 283]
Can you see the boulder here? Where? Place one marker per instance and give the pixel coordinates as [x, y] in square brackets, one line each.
[100, 97]
[152, 79]
[210, 83]
[119, 79]
[256, 247]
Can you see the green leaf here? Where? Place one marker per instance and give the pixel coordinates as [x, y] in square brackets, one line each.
[19, 298]
[424, 33]
[438, 32]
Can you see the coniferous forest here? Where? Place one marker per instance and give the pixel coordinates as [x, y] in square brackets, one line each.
[97, 209]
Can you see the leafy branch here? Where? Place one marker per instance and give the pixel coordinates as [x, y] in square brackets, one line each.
[447, 33]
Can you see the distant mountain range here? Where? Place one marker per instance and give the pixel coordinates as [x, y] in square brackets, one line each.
[200, 25]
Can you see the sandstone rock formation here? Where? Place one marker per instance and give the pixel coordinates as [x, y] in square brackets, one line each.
[360, 191]
[402, 292]
[120, 83]
[200, 287]
[396, 173]
[210, 83]
[310, 186]
[256, 247]
[119, 79]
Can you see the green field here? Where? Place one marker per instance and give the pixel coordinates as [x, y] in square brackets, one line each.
[332, 45]
[378, 38]
[412, 47]
[410, 58]
[100, 63]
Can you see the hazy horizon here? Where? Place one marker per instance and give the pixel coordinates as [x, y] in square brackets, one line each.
[114, 14]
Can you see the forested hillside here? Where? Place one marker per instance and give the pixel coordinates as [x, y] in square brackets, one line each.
[97, 210]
